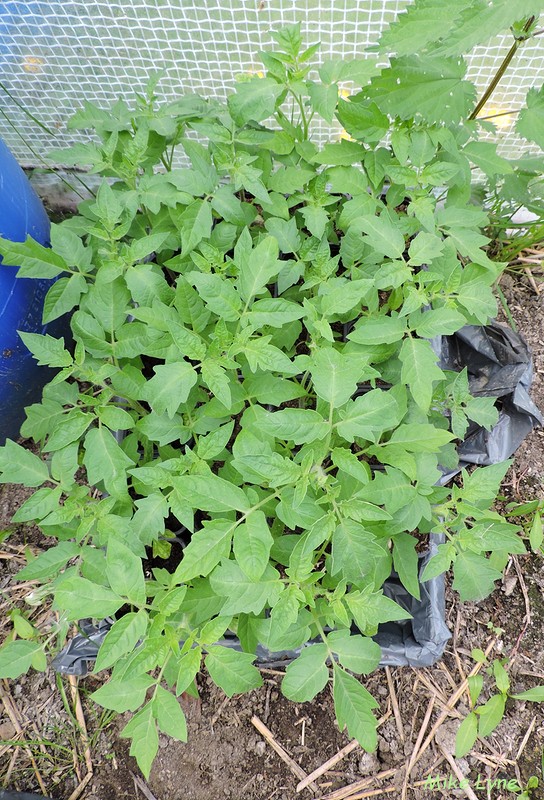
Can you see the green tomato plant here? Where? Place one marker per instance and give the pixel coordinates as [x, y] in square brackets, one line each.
[253, 364]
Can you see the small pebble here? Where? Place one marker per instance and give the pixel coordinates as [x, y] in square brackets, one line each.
[260, 748]
[368, 764]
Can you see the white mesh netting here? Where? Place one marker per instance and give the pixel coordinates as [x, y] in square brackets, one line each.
[55, 54]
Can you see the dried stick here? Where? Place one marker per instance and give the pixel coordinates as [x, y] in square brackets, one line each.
[219, 711]
[525, 739]
[532, 281]
[453, 764]
[348, 791]
[79, 789]
[11, 711]
[433, 688]
[527, 618]
[81, 722]
[11, 765]
[143, 787]
[419, 739]
[378, 792]
[283, 754]
[394, 703]
[327, 765]
[454, 699]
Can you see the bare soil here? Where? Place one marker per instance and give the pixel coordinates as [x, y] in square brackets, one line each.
[226, 757]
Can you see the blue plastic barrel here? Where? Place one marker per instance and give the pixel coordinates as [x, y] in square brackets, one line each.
[21, 299]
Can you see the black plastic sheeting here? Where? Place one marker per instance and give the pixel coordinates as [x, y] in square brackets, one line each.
[5, 795]
[499, 364]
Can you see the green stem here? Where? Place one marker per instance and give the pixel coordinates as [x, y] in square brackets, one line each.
[501, 70]
[323, 635]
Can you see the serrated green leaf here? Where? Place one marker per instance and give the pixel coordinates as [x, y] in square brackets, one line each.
[354, 551]
[205, 550]
[39, 505]
[482, 486]
[19, 465]
[70, 429]
[217, 381]
[420, 438]
[169, 715]
[16, 657]
[368, 415]
[210, 493]
[260, 267]
[474, 577]
[356, 653]
[188, 668]
[484, 155]
[62, 296]
[232, 671]
[479, 23]
[439, 173]
[46, 349]
[214, 443]
[124, 572]
[123, 695]
[382, 235]
[34, 260]
[105, 461]
[252, 544]
[218, 293]
[122, 638]
[371, 609]
[79, 598]
[315, 219]
[439, 563]
[530, 122]
[483, 411]
[378, 330]
[294, 424]
[424, 248]
[242, 594]
[420, 25]
[48, 563]
[323, 99]
[427, 86]
[142, 729]
[419, 370]
[353, 707]
[170, 387]
[254, 100]
[363, 120]
[307, 675]
[334, 375]
[406, 562]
